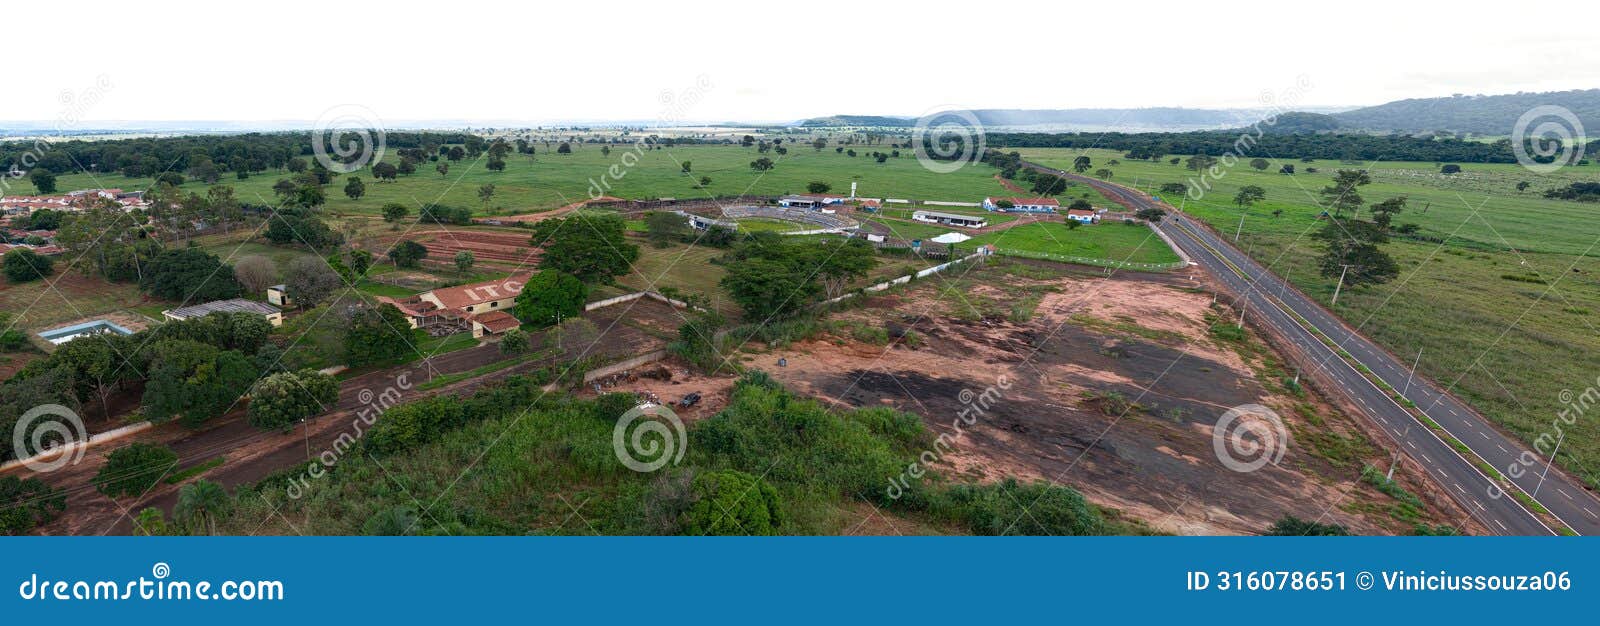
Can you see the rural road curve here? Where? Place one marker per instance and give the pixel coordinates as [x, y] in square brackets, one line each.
[1269, 299]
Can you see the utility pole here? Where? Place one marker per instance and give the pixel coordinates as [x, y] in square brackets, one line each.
[1339, 286]
[1241, 226]
[1413, 373]
[1559, 439]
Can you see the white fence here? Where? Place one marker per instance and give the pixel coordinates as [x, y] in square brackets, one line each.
[68, 448]
[907, 278]
[635, 296]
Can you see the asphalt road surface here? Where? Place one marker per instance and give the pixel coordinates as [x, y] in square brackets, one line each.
[1270, 300]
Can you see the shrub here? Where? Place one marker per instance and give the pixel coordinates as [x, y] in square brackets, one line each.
[22, 265]
[1012, 508]
[133, 469]
[731, 502]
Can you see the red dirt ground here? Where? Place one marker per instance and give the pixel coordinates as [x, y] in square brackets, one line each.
[538, 217]
[252, 454]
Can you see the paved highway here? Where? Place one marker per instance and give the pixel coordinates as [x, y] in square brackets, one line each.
[1271, 300]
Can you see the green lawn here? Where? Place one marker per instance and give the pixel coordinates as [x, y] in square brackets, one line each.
[1508, 346]
[680, 266]
[1107, 241]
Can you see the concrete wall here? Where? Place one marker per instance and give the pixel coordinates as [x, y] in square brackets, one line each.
[598, 373]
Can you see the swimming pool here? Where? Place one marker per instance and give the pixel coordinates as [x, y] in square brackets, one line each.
[64, 334]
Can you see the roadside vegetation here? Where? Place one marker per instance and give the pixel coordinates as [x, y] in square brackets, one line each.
[554, 455]
[1492, 282]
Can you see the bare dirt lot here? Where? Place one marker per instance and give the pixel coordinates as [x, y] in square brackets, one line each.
[1109, 385]
[495, 246]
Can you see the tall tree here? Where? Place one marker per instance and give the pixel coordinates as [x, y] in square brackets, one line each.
[354, 188]
[1342, 194]
[590, 247]
[550, 296]
[378, 335]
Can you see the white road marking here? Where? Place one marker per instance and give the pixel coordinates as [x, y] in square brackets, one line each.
[1564, 493]
[1458, 488]
[1502, 448]
[1501, 524]
[1586, 510]
[1480, 433]
[1480, 506]
[1413, 445]
[1425, 458]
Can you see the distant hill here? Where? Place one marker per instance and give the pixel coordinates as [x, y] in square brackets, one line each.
[1298, 122]
[1158, 118]
[1489, 115]
[860, 120]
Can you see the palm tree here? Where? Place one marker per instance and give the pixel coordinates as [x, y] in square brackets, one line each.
[201, 504]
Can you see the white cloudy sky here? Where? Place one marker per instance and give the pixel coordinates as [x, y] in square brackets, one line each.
[607, 59]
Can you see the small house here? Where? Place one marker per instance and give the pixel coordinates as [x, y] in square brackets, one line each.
[278, 295]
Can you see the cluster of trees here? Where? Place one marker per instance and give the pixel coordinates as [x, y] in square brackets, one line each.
[26, 503]
[549, 297]
[1362, 147]
[21, 265]
[592, 248]
[202, 157]
[1582, 192]
[771, 276]
[1350, 244]
[189, 275]
[190, 370]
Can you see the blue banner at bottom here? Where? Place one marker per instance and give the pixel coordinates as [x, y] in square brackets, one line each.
[791, 580]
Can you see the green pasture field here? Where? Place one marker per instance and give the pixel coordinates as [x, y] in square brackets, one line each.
[1112, 241]
[1503, 311]
[552, 180]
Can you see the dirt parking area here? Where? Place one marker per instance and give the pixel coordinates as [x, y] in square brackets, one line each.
[1113, 386]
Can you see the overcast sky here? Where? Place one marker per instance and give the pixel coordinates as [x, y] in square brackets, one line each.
[766, 61]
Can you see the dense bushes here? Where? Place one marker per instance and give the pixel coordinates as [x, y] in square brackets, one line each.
[25, 504]
[22, 265]
[771, 462]
[133, 469]
[730, 502]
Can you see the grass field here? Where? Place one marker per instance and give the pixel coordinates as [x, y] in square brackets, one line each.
[680, 266]
[1503, 311]
[556, 180]
[1112, 241]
